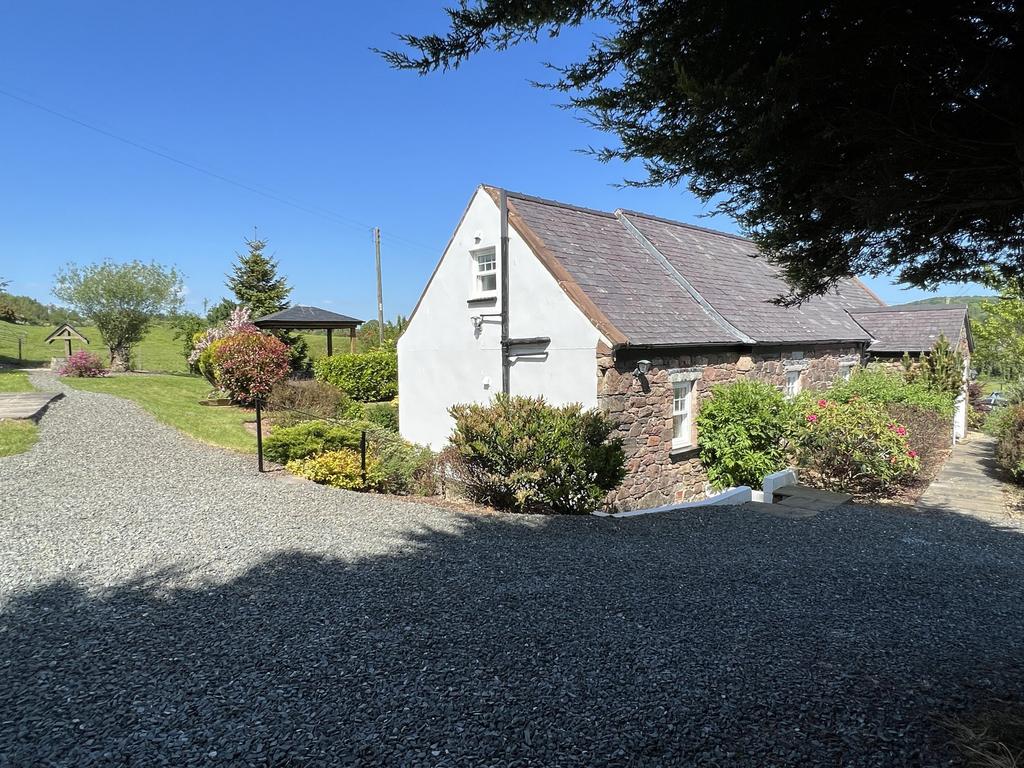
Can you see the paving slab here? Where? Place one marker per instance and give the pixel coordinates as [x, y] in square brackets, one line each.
[970, 483]
[25, 405]
[778, 510]
[812, 494]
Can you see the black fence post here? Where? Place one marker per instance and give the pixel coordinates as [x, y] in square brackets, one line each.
[362, 456]
[259, 435]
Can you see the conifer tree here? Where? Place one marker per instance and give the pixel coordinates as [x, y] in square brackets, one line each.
[256, 284]
[943, 367]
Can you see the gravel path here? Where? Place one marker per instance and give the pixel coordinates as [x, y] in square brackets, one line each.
[161, 604]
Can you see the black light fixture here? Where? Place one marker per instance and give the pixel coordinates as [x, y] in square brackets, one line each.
[642, 367]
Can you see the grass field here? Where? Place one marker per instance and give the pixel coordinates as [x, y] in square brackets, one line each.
[14, 381]
[174, 400]
[159, 351]
[16, 436]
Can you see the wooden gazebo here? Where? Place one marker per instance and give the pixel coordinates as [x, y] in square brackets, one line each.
[300, 318]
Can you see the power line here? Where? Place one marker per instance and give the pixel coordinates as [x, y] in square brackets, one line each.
[264, 192]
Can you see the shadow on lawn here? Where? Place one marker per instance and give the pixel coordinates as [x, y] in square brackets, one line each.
[676, 641]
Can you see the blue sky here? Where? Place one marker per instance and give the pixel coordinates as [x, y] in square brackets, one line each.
[287, 98]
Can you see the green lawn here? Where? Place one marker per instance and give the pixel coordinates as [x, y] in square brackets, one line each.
[17, 436]
[990, 384]
[174, 400]
[159, 351]
[14, 381]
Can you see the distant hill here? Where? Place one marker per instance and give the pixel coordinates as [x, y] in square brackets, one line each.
[973, 303]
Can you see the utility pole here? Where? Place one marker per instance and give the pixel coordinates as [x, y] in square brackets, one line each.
[380, 289]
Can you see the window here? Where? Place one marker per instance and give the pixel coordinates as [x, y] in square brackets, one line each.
[793, 382]
[682, 411]
[846, 371]
[485, 272]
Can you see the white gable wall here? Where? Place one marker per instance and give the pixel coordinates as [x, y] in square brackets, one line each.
[443, 360]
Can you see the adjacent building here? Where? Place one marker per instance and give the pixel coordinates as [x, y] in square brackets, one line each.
[633, 314]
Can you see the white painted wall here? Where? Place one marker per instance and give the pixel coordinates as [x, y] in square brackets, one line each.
[443, 360]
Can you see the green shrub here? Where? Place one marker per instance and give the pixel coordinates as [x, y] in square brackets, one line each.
[882, 387]
[852, 447]
[205, 362]
[1010, 447]
[312, 437]
[384, 415]
[743, 429]
[302, 400]
[400, 466]
[367, 376]
[522, 454]
[339, 469]
[998, 421]
[929, 433]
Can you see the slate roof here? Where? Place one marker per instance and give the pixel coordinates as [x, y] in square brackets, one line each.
[299, 316]
[913, 327]
[665, 283]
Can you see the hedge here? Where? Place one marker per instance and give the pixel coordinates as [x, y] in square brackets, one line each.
[367, 376]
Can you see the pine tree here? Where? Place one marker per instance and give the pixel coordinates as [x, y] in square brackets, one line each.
[943, 367]
[256, 285]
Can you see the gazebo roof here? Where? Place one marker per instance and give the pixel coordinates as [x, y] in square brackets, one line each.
[300, 316]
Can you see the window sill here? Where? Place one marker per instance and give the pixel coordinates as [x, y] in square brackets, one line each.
[684, 451]
[482, 301]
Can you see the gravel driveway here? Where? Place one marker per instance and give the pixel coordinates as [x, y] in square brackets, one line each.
[162, 604]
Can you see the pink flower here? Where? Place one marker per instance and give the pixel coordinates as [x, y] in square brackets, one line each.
[823, 403]
[912, 454]
[812, 417]
[901, 430]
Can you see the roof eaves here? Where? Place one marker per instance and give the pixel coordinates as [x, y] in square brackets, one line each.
[685, 284]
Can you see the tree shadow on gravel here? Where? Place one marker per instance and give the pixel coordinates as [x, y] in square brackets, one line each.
[715, 638]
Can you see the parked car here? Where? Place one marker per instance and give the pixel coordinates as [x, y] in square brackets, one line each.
[996, 400]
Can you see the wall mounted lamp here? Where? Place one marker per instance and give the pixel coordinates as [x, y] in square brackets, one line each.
[642, 367]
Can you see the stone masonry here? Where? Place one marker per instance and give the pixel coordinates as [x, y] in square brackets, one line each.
[642, 408]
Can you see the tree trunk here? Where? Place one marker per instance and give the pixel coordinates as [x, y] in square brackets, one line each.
[120, 357]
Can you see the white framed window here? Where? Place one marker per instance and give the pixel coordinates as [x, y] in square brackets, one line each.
[846, 371]
[682, 414]
[485, 272]
[794, 383]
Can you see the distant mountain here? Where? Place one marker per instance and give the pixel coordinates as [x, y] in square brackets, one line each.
[973, 303]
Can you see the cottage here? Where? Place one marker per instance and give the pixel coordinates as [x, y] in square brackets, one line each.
[630, 313]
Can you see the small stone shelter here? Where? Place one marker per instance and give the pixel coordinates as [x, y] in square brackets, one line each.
[634, 314]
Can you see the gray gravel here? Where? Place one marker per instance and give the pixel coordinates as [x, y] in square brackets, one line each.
[161, 604]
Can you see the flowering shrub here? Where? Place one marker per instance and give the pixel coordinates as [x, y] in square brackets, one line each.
[201, 357]
[853, 447]
[83, 364]
[743, 428]
[248, 365]
[340, 469]
[521, 453]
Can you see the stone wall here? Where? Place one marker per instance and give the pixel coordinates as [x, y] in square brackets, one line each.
[642, 408]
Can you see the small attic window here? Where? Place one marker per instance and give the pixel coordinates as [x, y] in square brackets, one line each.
[485, 272]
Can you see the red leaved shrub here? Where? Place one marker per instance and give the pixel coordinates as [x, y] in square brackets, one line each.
[249, 365]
